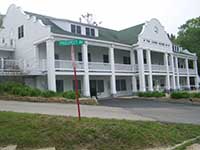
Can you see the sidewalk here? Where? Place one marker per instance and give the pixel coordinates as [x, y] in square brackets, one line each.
[70, 110]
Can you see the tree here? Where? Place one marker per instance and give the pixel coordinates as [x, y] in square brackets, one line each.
[89, 19]
[189, 37]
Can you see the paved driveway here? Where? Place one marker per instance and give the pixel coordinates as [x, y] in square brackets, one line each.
[70, 110]
[161, 111]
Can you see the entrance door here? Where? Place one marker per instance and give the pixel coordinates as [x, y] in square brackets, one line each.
[93, 89]
[59, 86]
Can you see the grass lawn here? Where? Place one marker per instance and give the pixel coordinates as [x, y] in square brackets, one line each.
[66, 133]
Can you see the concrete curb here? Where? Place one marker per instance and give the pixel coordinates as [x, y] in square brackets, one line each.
[170, 100]
[183, 143]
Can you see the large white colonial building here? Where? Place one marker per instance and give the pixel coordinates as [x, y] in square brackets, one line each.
[139, 58]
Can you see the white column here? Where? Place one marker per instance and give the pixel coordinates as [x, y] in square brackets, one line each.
[86, 79]
[177, 73]
[173, 71]
[51, 65]
[36, 52]
[150, 80]
[2, 64]
[134, 81]
[113, 77]
[167, 70]
[197, 76]
[188, 74]
[141, 70]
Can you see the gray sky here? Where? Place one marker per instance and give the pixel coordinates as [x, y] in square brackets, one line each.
[115, 14]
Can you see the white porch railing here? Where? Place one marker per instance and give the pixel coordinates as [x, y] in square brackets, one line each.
[192, 71]
[123, 68]
[135, 67]
[158, 68]
[7, 43]
[146, 67]
[63, 65]
[7, 65]
[35, 66]
[182, 70]
[98, 66]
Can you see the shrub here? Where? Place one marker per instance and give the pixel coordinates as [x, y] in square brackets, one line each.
[180, 94]
[35, 92]
[49, 94]
[70, 94]
[195, 95]
[151, 94]
[20, 91]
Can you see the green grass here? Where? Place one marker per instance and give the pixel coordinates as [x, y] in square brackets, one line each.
[38, 131]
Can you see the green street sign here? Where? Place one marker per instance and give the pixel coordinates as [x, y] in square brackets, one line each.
[70, 42]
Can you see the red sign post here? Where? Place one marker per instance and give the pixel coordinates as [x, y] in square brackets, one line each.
[72, 43]
[76, 81]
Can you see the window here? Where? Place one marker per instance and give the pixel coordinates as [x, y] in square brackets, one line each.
[105, 59]
[79, 85]
[59, 86]
[80, 58]
[100, 86]
[121, 85]
[20, 32]
[126, 60]
[11, 42]
[75, 29]
[89, 31]
[78, 29]
[56, 56]
[92, 32]
[3, 40]
[89, 57]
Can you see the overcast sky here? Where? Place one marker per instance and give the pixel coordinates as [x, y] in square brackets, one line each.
[115, 14]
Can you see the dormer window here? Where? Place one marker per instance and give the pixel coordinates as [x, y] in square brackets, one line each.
[75, 29]
[89, 31]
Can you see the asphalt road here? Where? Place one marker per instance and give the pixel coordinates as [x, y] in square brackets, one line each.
[160, 111]
[70, 110]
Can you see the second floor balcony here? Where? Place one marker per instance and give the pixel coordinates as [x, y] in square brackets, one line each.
[7, 44]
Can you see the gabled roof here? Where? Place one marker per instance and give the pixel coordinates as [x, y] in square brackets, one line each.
[127, 36]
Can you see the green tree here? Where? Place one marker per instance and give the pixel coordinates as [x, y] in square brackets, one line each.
[189, 37]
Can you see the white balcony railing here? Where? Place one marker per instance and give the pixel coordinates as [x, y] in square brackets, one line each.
[66, 65]
[158, 68]
[192, 71]
[135, 68]
[7, 43]
[7, 65]
[98, 66]
[123, 68]
[146, 67]
[182, 70]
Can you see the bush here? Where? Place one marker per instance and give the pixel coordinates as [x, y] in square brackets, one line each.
[195, 95]
[49, 94]
[151, 94]
[35, 92]
[180, 94]
[70, 94]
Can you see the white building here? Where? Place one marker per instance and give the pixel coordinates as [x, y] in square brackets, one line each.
[139, 58]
